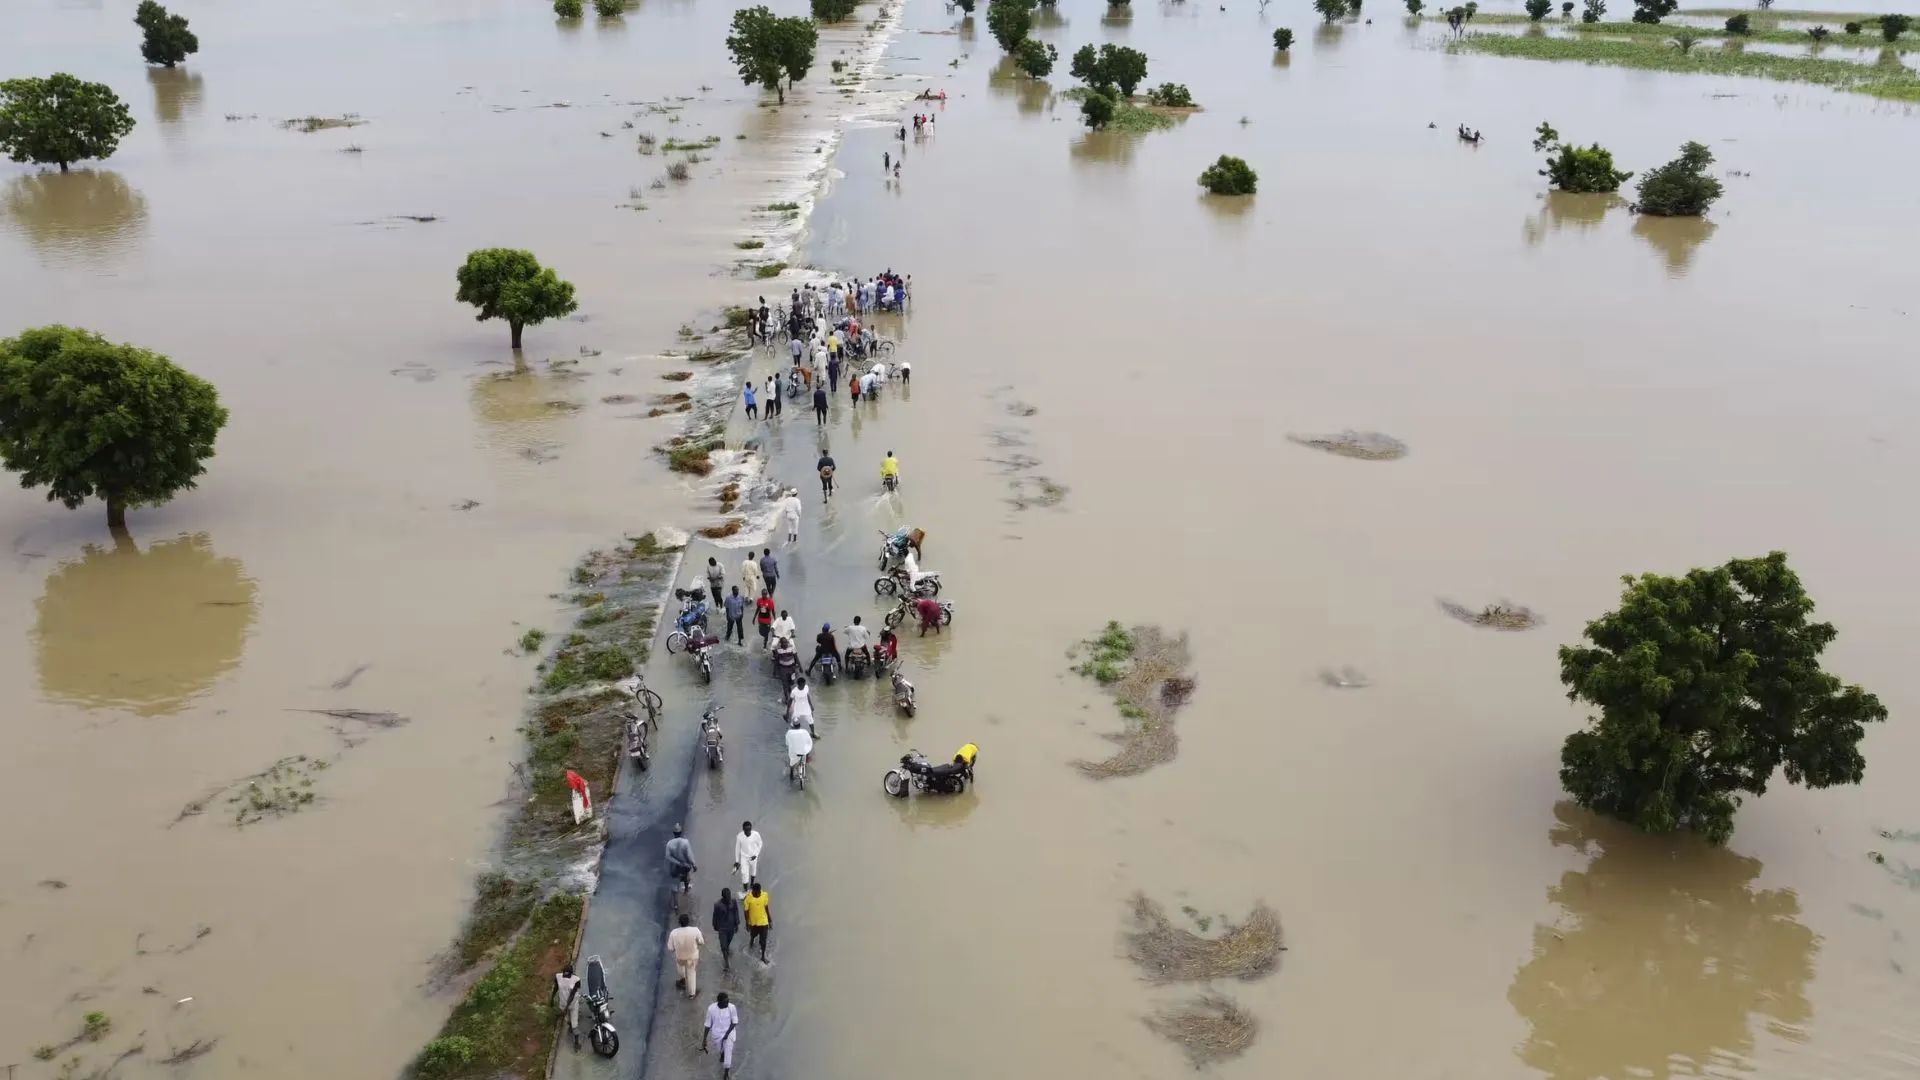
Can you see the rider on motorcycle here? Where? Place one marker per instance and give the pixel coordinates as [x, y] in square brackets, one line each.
[910, 566]
[784, 654]
[824, 645]
[889, 647]
[857, 638]
[890, 468]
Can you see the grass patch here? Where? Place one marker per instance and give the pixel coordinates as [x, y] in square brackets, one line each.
[530, 641]
[1145, 671]
[1865, 18]
[1208, 1029]
[749, 245]
[500, 908]
[587, 664]
[677, 376]
[678, 171]
[1131, 117]
[770, 270]
[707, 143]
[1168, 953]
[694, 460]
[602, 614]
[737, 318]
[1763, 31]
[781, 207]
[310, 124]
[1500, 616]
[1649, 54]
[505, 1023]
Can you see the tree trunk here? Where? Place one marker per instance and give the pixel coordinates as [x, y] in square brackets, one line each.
[517, 327]
[779, 89]
[116, 515]
[63, 166]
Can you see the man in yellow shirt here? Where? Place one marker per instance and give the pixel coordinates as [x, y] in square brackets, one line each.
[890, 471]
[758, 906]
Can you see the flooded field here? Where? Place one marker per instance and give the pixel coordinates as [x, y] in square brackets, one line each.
[1108, 367]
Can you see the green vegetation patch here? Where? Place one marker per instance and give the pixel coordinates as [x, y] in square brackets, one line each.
[1145, 670]
[1128, 116]
[506, 1023]
[1896, 83]
[1762, 32]
[770, 270]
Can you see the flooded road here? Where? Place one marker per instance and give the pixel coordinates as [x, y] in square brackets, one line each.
[1585, 394]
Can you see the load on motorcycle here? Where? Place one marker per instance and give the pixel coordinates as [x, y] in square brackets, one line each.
[693, 609]
[907, 578]
[915, 773]
[894, 546]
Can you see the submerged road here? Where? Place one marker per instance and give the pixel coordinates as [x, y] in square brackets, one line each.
[827, 577]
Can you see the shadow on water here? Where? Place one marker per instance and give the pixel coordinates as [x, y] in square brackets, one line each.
[1228, 208]
[1328, 35]
[1663, 957]
[1029, 95]
[1048, 17]
[87, 216]
[1107, 147]
[1283, 58]
[148, 631]
[1675, 238]
[177, 93]
[520, 411]
[1118, 17]
[1563, 210]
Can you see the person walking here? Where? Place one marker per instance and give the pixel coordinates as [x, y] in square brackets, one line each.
[820, 404]
[566, 994]
[684, 943]
[783, 626]
[833, 375]
[770, 570]
[746, 853]
[736, 608]
[826, 467]
[763, 616]
[726, 923]
[716, 580]
[853, 386]
[752, 582]
[680, 859]
[790, 509]
[758, 904]
[772, 396]
[753, 407]
[722, 1029]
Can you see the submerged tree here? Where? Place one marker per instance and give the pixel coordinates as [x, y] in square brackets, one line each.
[1575, 169]
[91, 419]
[1112, 67]
[770, 51]
[1566, 9]
[1097, 110]
[1707, 684]
[1035, 59]
[1593, 11]
[1283, 39]
[832, 11]
[568, 9]
[1330, 9]
[508, 284]
[59, 120]
[1650, 12]
[1414, 6]
[1229, 176]
[1538, 9]
[1681, 187]
[610, 9]
[167, 41]
[1009, 21]
[1459, 17]
[1892, 26]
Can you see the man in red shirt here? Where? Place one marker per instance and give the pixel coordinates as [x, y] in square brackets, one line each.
[929, 611]
[763, 616]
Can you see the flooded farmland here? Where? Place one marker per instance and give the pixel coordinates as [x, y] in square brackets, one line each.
[1578, 393]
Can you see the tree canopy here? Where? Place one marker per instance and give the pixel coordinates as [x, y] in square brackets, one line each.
[1035, 59]
[87, 418]
[770, 51]
[833, 10]
[1110, 67]
[1706, 685]
[1571, 168]
[1330, 9]
[505, 283]
[1010, 21]
[1650, 12]
[1681, 187]
[1097, 110]
[1229, 176]
[59, 120]
[167, 40]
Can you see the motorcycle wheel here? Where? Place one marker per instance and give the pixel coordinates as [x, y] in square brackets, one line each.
[894, 618]
[713, 757]
[946, 614]
[894, 783]
[910, 707]
[706, 669]
[933, 586]
[642, 759]
[885, 586]
[606, 1041]
[676, 641]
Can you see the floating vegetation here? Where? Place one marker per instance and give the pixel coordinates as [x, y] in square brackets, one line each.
[769, 270]
[198, 1048]
[781, 207]
[749, 245]
[1365, 445]
[1168, 953]
[1036, 490]
[1346, 678]
[1145, 671]
[708, 143]
[1209, 1028]
[677, 376]
[723, 530]
[311, 124]
[283, 788]
[1504, 615]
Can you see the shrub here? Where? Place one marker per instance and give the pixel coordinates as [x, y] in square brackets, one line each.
[833, 10]
[1684, 40]
[1586, 170]
[1650, 12]
[1539, 9]
[1414, 6]
[1034, 58]
[568, 9]
[1229, 176]
[1818, 33]
[1593, 11]
[678, 171]
[1097, 110]
[1283, 37]
[1740, 25]
[450, 1053]
[609, 8]
[1170, 95]
[1892, 26]
[1852, 28]
[1681, 187]
[1330, 9]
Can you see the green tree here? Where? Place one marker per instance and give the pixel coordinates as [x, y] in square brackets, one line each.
[568, 9]
[1283, 38]
[59, 120]
[508, 284]
[1229, 176]
[964, 5]
[1171, 95]
[1818, 33]
[1414, 6]
[832, 11]
[1538, 9]
[1113, 67]
[770, 51]
[795, 40]
[1459, 17]
[1707, 684]
[1892, 26]
[1740, 25]
[1035, 59]
[1681, 187]
[1593, 11]
[1571, 168]
[88, 418]
[1566, 9]
[1097, 110]
[167, 40]
[1652, 11]
[610, 9]
[1009, 21]
[1330, 9]
[1684, 40]
[1851, 28]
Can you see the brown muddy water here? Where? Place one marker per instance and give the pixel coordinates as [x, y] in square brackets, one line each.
[1583, 394]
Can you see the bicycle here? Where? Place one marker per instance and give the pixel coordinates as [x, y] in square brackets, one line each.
[635, 687]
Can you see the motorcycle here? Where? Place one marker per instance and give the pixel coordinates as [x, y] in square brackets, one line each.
[896, 583]
[698, 644]
[600, 1032]
[858, 661]
[793, 384]
[904, 608]
[638, 751]
[787, 666]
[829, 669]
[902, 693]
[895, 545]
[693, 612]
[891, 483]
[710, 736]
[914, 773]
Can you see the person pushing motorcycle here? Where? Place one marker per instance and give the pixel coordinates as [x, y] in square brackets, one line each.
[929, 611]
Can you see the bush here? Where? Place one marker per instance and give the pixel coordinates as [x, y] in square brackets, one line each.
[1229, 176]
[1818, 33]
[1330, 9]
[1593, 11]
[609, 8]
[450, 1053]
[1852, 28]
[1740, 25]
[1283, 37]
[1684, 40]
[1892, 26]
[1035, 59]
[1414, 6]
[1681, 187]
[1009, 21]
[166, 41]
[1097, 110]
[1170, 95]
[1586, 170]
[832, 11]
[566, 9]
[1539, 9]
[1649, 12]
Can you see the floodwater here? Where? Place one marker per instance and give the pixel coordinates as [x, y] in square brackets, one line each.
[1585, 394]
